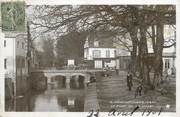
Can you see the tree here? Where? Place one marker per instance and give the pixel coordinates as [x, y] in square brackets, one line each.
[70, 46]
[133, 20]
[48, 49]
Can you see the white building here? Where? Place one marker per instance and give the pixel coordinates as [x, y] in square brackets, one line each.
[9, 56]
[122, 59]
[1, 54]
[15, 62]
[15, 49]
[100, 56]
[169, 54]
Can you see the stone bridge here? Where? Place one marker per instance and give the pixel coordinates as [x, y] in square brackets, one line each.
[68, 75]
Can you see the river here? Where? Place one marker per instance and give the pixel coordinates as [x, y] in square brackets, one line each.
[56, 98]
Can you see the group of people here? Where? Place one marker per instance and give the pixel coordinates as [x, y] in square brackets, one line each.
[138, 91]
[108, 71]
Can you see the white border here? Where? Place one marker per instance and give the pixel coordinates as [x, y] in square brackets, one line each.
[178, 58]
[94, 2]
[97, 2]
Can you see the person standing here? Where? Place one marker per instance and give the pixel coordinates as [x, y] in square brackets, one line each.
[107, 71]
[129, 81]
[117, 71]
[169, 71]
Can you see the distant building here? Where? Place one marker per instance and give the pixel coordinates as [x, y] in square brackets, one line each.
[99, 52]
[169, 60]
[16, 67]
[1, 54]
[123, 59]
[169, 54]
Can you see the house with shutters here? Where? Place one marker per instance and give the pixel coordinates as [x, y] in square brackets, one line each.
[99, 51]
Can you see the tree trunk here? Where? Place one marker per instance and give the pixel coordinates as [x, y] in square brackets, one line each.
[133, 33]
[158, 64]
[143, 50]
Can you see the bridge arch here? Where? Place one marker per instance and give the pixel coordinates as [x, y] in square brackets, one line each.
[61, 80]
[80, 79]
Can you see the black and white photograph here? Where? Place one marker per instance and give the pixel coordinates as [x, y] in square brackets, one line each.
[89, 58]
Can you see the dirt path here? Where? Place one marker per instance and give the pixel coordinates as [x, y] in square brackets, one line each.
[113, 93]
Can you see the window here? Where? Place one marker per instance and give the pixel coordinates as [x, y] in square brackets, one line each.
[96, 53]
[4, 43]
[96, 43]
[167, 63]
[18, 62]
[5, 63]
[17, 44]
[108, 53]
[22, 45]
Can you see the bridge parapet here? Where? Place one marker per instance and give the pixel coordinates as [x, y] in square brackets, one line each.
[67, 71]
[68, 75]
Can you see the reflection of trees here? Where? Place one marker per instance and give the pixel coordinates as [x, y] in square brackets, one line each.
[62, 100]
[32, 101]
[9, 105]
[79, 104]
[27, 103]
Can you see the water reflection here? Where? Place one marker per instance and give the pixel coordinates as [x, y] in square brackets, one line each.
[77, 82]
[56, 98]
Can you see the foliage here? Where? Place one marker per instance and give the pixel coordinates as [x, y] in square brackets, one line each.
[128, 25]
[48, 50]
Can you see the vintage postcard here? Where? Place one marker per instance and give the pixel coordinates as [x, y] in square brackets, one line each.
[95, 60]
